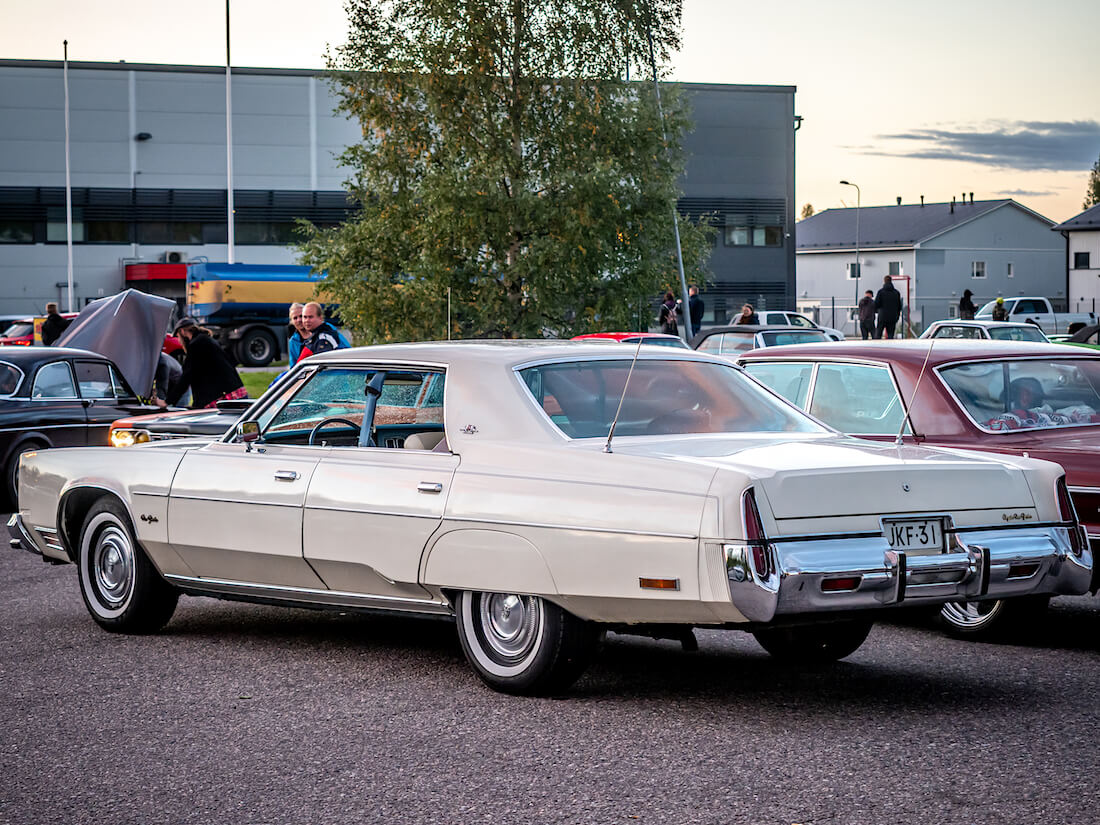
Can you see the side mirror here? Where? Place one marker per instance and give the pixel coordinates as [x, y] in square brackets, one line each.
[248, 431]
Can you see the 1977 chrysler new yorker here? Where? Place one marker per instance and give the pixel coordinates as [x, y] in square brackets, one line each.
[475, 479]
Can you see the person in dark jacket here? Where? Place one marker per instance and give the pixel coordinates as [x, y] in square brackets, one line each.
[666, 315]
[206, 369]
[748, 316]
[695, 308]
[966, 306]
[54, 324]
[321, 336]
[888, 307]
[867, 315]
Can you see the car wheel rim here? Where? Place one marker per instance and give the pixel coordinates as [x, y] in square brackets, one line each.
[113, 566]
[971, 614]
[509, 625]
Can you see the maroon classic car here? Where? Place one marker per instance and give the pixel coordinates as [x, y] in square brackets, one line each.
[1037, 400]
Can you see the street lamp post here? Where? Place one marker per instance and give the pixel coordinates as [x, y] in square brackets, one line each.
[859, 269]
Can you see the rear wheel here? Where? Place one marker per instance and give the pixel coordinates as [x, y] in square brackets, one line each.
[814, 644]
[121, 588]
[523, 644]
[257, 348]
[991, 619]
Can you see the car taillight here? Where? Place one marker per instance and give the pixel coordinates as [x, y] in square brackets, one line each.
[1069, 515]
[754, 534]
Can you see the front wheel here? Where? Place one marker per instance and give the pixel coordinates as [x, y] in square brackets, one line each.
[523, 644]
[978, 621]
[121, 588]
[814, 644]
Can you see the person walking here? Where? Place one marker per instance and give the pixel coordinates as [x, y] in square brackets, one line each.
[888, 307]
[695, 308]
[966, 306]
[999, 311]
[666, 315]
[54, 324]
[867, 316]
[207, 371]
[748, 316]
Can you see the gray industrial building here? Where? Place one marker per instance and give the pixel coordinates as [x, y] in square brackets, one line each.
[148, 177]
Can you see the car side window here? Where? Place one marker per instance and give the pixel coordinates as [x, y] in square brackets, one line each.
[1028, 308]
[54, 381]
[792, 381]
[797, 320]
[735, 342]
[330, 407]
[857, 398]
[712, 343]
[94, 380]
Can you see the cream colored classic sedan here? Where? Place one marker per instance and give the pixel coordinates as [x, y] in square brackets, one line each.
[481, 480]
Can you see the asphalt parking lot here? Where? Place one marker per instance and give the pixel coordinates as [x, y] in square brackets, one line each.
[250, 714]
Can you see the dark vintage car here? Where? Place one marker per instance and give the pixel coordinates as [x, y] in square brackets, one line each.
[57, 397]
[1034, 400]
[739, 338]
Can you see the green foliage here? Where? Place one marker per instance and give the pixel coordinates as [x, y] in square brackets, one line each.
[807, 211]
[506, 159]
[1092, 193]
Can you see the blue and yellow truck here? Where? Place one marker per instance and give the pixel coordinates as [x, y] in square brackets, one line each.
[245, 306]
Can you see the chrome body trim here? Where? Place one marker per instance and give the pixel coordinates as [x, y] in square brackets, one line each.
[974, 568]
[576, 527]
[306, 595]
[20, 536]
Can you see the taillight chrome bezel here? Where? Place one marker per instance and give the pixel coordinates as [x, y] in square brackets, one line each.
[755, 536]
[1078, 541]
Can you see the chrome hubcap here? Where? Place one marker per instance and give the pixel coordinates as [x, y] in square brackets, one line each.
[510, 623]
[970, 614]
[113, 565]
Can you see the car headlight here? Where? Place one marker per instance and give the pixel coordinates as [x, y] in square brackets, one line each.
[128, 438]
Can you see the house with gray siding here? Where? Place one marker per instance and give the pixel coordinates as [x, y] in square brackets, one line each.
[933, 252]
[149, 177]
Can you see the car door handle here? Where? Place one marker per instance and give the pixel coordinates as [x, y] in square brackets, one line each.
[429, 487]
[285, 475]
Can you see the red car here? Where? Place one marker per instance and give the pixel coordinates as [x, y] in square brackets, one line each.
[658, 338]
[1037, 400]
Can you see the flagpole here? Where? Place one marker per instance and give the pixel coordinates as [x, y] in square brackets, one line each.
[68, 183]
[228, 140]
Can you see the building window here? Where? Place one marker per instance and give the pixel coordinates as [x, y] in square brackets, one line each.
[1080, 260]
[753, 235]
[55, 232]
[952, 311]
[107, 231]
[895, 269]
[174, 232]
[1011, 271]
[977, 269]
[854, 271]
[16, 231]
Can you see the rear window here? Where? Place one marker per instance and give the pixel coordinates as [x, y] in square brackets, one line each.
[1025, 333]
[18, 330]
[1040, 393]
[779, 338]
[664, 397]
[10, 377]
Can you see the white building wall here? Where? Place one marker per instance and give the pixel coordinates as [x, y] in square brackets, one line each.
[822, 281]
[1084, 284]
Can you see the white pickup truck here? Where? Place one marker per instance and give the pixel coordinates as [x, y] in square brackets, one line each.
[1038, 311]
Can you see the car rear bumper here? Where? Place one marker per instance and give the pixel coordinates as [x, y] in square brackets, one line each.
[846, 573]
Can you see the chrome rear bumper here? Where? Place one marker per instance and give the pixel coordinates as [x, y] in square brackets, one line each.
[980, 564]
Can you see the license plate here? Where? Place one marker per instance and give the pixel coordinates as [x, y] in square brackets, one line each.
[915, 535]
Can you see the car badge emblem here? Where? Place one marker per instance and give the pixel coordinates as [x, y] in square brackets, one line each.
[469, 429]
[905, 487]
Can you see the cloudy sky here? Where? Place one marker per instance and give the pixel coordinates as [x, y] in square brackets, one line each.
[994, 97]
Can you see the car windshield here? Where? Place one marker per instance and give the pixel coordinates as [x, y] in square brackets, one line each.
[666, 397]
[18, 329]
[778, 338]
[1021, 333]
[1028, 394]
[987, 309]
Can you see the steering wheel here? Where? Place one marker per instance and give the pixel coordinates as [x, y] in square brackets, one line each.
[324, 423]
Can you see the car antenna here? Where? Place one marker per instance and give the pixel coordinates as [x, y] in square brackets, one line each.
[626, 386]
[913, 401]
